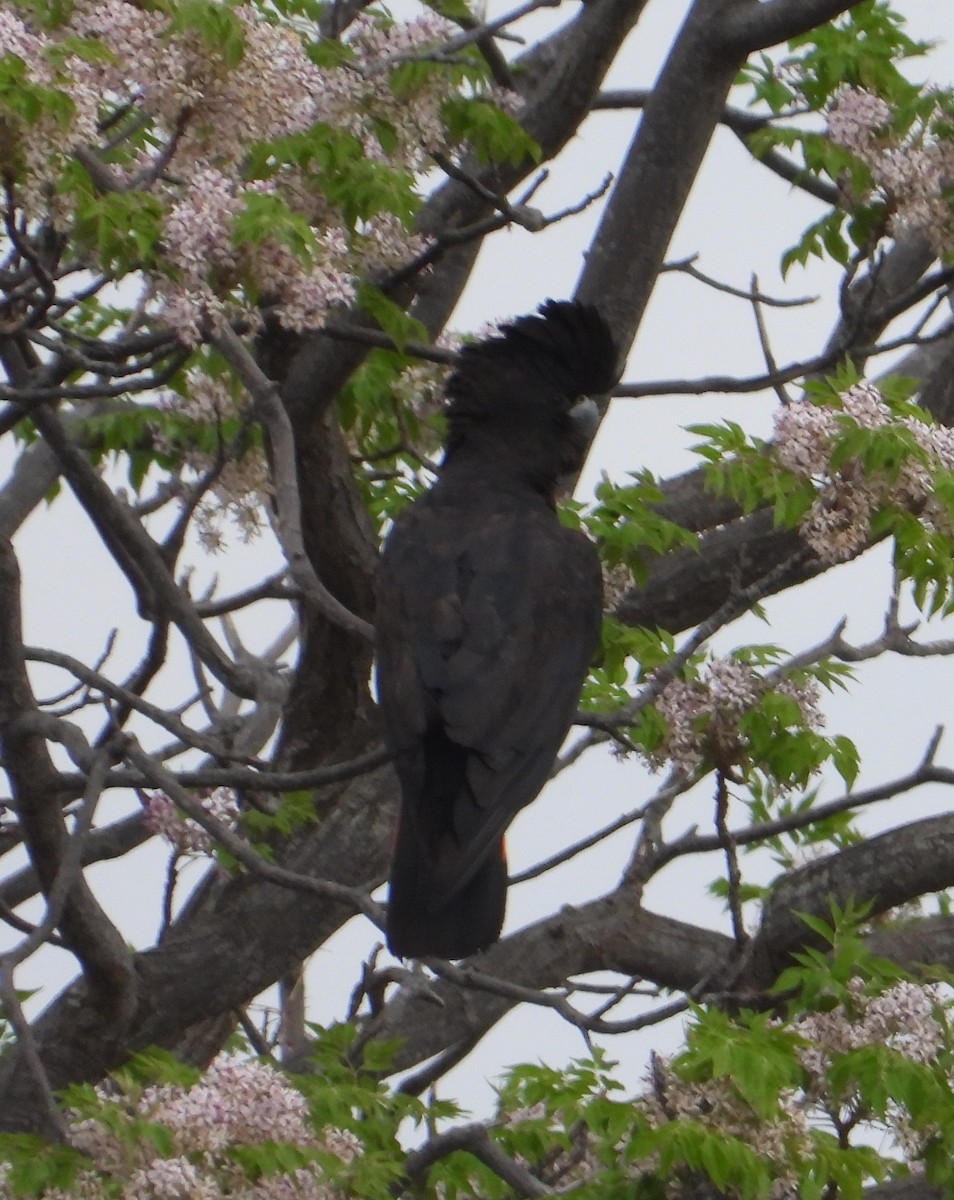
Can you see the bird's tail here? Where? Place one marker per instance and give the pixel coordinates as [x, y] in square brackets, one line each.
[424, 920]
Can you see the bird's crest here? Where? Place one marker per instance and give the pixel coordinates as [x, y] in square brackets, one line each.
[567, 343]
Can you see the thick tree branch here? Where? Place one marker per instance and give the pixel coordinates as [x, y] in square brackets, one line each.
[476, 1141]
[762, 23]
[233, 940]
[884, 871]
[659, 170]
[98, 945]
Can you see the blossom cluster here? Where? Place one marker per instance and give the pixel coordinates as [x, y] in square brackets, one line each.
[236, 1103]
[241, 490]
[838, 525]
[195, 107]
[185, 835]
[912, 173]
[779, 1141]
[703, 715]
[904, 1018]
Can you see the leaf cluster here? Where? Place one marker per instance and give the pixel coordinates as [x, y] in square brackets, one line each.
[742, 467]
[864, 48]
[628, 527]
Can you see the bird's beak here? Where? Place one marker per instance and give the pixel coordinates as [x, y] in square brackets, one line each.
[586, 417]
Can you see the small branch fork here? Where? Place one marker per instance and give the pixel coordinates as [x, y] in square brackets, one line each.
[474, 1139]
[241, 850]
[269, 407]
[927, 771]
[507, 213]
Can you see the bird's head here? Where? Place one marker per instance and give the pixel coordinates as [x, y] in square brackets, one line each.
[525, 394]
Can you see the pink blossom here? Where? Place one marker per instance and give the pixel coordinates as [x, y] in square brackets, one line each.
[903, 1017]
[911, 172]
[855, 117]
[17, 38]
[716, 1103]
[183, 833]
[197, 227]
[702, 715]
[803, 436]
[838, 525]
[172, 1179]
[235, 1103]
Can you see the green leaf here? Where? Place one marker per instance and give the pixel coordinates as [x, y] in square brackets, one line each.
[394, 321]
[628, 526]
[265, 217]
[36, 1166]
[359, 186]
[121, 229]
[215, 22]
[846, 759]
[494, 135]
[823, 237]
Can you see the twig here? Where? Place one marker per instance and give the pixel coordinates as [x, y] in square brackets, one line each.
[272, 588]
[743, 125]
[479, 229]
[242, 777]
[767, 354]
[925, 772]
[731, 850]
[287, 501]
[520, 214]
[476, 1141]
[687, 267]
[676, 784]
[733, 384]
[376, 338]
[557, 1000]
[160, 716]
[242, 851]
[137, 554]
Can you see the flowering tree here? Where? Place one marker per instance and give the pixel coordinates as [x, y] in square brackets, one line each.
[234, 236]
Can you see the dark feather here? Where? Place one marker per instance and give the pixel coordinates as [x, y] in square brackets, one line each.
[488, 617]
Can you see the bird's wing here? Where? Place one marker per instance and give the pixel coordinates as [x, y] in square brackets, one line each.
[487, 624]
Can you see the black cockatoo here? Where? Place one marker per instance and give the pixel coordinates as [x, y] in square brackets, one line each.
[488, 616]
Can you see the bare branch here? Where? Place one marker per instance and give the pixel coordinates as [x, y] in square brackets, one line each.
[268, 404]
[89, 933]
[476, 1141]
[241, 850]
[925, 772]
[754, 295]
[743, 124]
[155, 713]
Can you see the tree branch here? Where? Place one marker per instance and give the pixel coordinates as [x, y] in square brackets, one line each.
[92, 937]
[137, 554]
[763, 23]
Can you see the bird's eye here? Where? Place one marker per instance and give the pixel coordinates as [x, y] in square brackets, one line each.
[585, 416]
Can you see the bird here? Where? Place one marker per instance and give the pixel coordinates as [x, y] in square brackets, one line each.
[488, 615]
